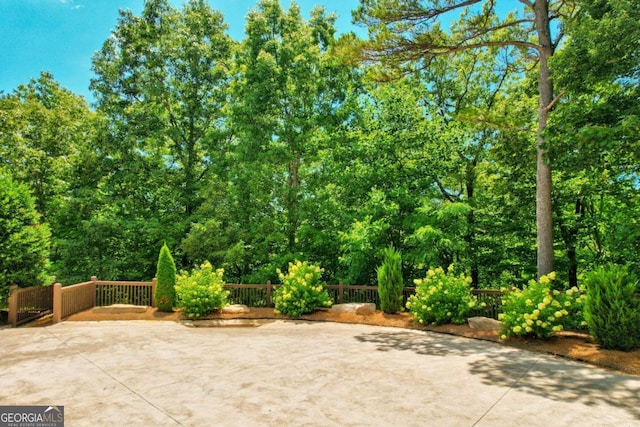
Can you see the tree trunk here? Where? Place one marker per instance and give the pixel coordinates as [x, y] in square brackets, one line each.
[293, 185]
[543, 168]
[470, 236]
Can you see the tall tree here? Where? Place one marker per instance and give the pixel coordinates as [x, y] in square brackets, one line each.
[24, 242]
[46, 139]
[407, 31]
[162, 78]
[161, 81]
[595, 135]
[42, 128]
[288, 91]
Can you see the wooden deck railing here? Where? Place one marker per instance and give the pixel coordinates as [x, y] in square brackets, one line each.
[29, 303]
[260, 295]
[68, 300]
[26, 304]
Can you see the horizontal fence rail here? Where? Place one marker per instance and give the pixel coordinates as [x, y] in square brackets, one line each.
[29, 304]
[76, 298]
[261, 295]
[68, 300]
[250, 295]
[489, 302]
[134, 293]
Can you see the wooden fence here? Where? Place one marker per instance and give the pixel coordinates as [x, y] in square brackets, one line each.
[27, 304]
[68, 300]
[261, 296]
[30, 303]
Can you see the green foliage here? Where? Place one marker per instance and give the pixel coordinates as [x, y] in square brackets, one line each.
[441, 297]
[301, 291]
[201, 291]
[612, 310]
[537, 310]
[390, 283]
[594, 135]
[24, 242]
[166, 281]
[251, 155]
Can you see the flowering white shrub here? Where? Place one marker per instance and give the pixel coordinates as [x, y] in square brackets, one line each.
[441, 298]
[201, 291]
[538, 311]
[301, 291]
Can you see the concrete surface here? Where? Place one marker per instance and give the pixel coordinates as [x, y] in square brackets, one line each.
[138, 373]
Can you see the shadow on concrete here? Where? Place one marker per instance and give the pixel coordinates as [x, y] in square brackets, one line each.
[423, 343]
[560, 380]
[532, 373]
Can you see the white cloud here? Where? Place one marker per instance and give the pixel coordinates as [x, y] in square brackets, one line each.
[72, 4]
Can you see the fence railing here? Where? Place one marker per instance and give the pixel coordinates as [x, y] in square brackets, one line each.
[134, 293]
[68, 300]
[261, 296]
[30, 303]
[27, 304]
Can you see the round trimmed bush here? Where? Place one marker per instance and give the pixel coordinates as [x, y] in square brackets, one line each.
[538, 311]
[301, 291]
[441, 297]
[201, 291]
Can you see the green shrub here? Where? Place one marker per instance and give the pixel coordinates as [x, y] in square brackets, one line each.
[538, 311]
[390, 283]
[301, 291]
[611, 309]
[24, 240]
[201, 291]
[166, 281]
[441, 298]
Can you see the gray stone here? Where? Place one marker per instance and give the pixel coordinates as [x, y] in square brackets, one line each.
[484, 323]
[235, 309]
[357, 308]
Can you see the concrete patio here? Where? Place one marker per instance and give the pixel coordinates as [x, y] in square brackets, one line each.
[286, 373]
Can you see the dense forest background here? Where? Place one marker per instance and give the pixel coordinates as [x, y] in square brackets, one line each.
[297, 144]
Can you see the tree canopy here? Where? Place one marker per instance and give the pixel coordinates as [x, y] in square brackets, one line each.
[437, 136]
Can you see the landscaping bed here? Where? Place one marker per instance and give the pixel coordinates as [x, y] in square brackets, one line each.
[572, 345]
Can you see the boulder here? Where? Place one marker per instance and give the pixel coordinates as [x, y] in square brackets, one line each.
[484, 323]
[235, 309]
[357, 308]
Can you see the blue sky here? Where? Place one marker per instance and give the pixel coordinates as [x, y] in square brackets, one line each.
[61, 36]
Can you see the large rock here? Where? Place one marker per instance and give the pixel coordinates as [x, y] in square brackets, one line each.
[357, 308]
[484, 323]
[235, 309]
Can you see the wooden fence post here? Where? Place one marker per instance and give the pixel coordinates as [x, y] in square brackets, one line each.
[57, 302]
[94, 285]
[340, 292]
[268, 293]
[13, 306]
[153, 292]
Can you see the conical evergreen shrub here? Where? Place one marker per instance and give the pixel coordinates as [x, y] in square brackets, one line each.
[612, 310]
[390, 283]
[165, 281]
